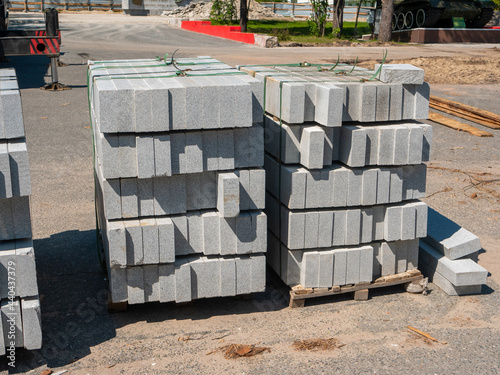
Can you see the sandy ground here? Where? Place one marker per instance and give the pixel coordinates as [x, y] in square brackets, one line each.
[80, 336]
[454, 70]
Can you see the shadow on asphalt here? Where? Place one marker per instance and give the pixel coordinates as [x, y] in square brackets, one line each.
[74, 296]
[31, 70]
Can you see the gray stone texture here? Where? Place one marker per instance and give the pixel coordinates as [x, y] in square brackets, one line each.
[449, 238]
[351, 226]
[459, 272]
[228, 194]
[11, 315]
[151, 283]
[400, 73]
[32, 326]
[5, 175]
[15, 220]
[19, 167]
[445, 285]
[312, 147]
[11, 114]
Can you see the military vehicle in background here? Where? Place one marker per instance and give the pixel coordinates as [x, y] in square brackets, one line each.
[410, 14]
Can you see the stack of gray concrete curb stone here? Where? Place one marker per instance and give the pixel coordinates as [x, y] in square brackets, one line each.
[449, 255]
[20, 305]
[180, 183]
[344, 170]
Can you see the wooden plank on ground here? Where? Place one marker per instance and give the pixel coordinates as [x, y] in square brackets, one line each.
[465, 115]
[457, 125]
[477, 111]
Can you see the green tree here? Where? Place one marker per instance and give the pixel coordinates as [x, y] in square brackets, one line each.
[223, 11]
[317, 23]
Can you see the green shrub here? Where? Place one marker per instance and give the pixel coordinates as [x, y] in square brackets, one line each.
[223, 11]
[282, 34]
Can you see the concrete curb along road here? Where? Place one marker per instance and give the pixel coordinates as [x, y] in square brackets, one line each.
[226, 32]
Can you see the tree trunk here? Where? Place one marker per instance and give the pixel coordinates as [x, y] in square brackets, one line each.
[357, 17]
[243, 15]
[338, 16]
[385, 31]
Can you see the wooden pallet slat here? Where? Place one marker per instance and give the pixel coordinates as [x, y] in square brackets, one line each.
[299, 294]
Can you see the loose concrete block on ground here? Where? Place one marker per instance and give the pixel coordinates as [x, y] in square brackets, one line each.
[459, 272]
[445, 285]
[449, 238]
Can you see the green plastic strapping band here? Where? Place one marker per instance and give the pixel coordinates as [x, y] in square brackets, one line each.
[279, 166]
[98, 239]
[379, 70]
[337, 63]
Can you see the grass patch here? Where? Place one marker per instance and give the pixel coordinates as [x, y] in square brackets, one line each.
[298, 31]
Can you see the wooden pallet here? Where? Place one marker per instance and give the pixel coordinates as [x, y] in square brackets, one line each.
[299, 294]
